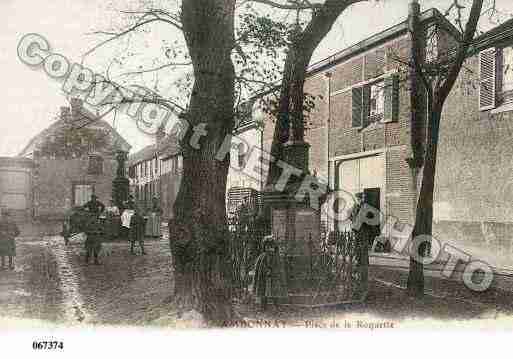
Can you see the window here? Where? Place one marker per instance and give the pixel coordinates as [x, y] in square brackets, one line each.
[82, 193]
[507, 74]
[95, 165]
[172, 165]
[180, 164]
[496, 77]
[377, 101]
[432, 44]
[241, 155]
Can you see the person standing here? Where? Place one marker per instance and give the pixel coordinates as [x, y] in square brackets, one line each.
[113, 220]
[137, 226]
[129, 203]
[94, 206]
[268, 272]
[364, 233]
[153, 224]
[126, 218]
[94, 232]
[8, 233]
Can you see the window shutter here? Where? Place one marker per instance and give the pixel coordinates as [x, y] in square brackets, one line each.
[357, 105]
[487, 81]
[366, 105]
[391, 98]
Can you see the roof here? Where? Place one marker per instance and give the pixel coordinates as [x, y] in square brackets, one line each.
[88, 119]
[431, 15]
[496, 35]
[142, 155]
[169, 147]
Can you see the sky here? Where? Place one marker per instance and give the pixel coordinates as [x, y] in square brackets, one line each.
[30, 100]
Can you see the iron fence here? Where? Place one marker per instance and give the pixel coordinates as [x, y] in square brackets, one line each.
[326, 271]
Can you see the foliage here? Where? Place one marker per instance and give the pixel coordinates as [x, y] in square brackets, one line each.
[68, 142]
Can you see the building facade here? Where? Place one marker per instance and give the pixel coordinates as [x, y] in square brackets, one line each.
[16, 186]
[363, 139]
[156, 171]
[247, 138]
[67, 168]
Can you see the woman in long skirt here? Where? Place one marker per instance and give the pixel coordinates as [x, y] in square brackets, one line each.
[113, 221]
[153, 223]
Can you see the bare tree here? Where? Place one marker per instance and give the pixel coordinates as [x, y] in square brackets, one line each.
[303, 42]
[437, 80]
[200, 244]
[199, 230]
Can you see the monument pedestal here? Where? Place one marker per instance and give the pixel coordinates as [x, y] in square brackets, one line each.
[296, 229]
[120, 184]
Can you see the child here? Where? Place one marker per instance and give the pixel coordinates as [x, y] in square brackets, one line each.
[8, 232]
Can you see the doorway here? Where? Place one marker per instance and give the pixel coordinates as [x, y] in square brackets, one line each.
[372, 197]
[82, 193]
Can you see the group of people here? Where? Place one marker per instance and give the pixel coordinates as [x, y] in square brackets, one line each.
[112, 222]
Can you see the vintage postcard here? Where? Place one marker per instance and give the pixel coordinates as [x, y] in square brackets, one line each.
[256, 166]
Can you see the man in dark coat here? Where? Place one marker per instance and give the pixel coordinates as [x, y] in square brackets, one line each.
[137, 227]
[94, 206]
[8, 232]
[94, 231]
[364, 233]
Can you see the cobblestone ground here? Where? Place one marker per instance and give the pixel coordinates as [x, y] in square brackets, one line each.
[52, 282]
[32, 290]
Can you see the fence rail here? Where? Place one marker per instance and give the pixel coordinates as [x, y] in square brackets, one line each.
[327, 271]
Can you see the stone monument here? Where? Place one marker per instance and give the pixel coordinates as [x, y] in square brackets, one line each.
[120, 184]
[295, 225]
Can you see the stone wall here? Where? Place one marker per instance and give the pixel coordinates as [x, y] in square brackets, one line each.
[54, 182]
[475, 173]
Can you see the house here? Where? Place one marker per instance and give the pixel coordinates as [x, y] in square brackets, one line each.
[474, 184]
[360, 131]
[155, 171]
[16, 186]
[247, 137]
[72, 159]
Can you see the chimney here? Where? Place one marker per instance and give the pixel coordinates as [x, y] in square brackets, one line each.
[413, 11]
[76, 106]
[65, 114]
[160, 135]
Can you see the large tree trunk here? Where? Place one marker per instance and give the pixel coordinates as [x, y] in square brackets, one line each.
[199, 241]
[290, 117]
[290, 108]
[424, 211]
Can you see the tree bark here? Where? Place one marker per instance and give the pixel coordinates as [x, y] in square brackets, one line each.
[424, 211]
[199, 242]
[290, 117]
